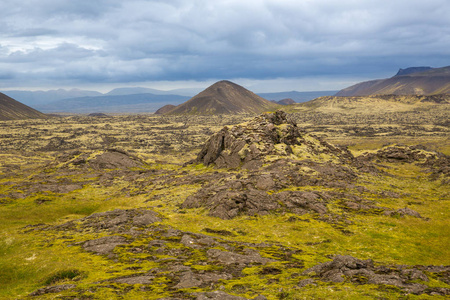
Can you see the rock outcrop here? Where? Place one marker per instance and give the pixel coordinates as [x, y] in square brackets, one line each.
[248, 145]
[347, 268]
[278, 156]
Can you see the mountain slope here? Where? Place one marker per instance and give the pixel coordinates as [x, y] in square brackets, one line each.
[224, 97]
[11, 109]
[428, 82]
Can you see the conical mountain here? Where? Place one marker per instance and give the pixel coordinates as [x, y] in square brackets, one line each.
[224, 97]
[11, 109]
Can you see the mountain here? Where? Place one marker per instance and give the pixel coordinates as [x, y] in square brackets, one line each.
[37, 98]
[296, 96]
[11, 109]
[137, 103]
[287, 101]
[165, 109]
[224, 97]
[412, 70]
[411, 81]
[133, 91]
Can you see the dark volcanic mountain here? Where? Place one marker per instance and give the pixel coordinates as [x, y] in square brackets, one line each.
[224, 97]
[410, 81]
[11, 109]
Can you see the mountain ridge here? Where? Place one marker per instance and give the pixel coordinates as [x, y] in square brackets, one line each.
[113, 104]
[414, 82]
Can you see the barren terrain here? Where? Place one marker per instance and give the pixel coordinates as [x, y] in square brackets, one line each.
[318, 204]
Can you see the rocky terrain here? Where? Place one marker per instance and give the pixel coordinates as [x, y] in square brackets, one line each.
[275, 206]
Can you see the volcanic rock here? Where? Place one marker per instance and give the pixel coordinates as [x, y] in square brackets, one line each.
[115, 159]
[104, 245]
[53, 289]
[347, 268]
[278, 155]
[248, 144]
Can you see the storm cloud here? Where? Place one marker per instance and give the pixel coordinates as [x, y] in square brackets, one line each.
[63, 42]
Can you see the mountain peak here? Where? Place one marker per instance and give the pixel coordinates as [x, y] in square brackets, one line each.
[224, 97]
[411, 70]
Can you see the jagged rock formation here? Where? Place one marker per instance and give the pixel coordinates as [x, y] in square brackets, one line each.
[407, 82]
[347, 268]
[224, 97]
[437, 163]
[272, 134]
[11, 109]
[278, 155]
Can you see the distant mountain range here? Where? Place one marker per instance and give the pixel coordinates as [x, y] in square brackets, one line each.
[127, 99]
[410, 81]
[136, 103]
[296, 96]
[38, 98]
[224, 97]
[11, 109]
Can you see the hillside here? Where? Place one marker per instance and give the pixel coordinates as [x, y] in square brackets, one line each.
[224, 97]
[11, 109]
[411, 81]
[374, 104]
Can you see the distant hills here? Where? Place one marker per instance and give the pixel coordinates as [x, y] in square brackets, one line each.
[224, 97]
[39, 98]
[128, 99]
[410, 81]
[296, 96]
[11, 109]
[136, 103]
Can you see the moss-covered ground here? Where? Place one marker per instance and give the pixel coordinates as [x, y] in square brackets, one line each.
[34, 253]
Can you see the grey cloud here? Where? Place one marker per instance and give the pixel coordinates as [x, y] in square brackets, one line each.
[139, 40]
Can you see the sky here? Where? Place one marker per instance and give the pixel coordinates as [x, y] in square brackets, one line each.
[265, 45]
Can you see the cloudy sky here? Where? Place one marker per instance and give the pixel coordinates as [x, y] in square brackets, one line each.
[265, 45]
